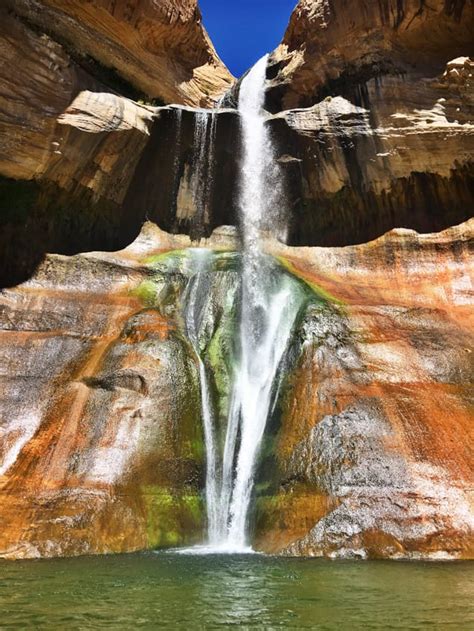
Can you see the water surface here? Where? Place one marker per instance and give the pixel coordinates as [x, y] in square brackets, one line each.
[175, 591]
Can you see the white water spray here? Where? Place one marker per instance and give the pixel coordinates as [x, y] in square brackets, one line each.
[268, 311]
[270, 303]
[196, 292]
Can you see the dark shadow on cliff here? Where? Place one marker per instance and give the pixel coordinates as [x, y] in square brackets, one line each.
[39, 217]
[168, 186]
[425, 202]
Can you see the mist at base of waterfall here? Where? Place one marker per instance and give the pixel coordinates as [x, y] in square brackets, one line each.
[205, 549]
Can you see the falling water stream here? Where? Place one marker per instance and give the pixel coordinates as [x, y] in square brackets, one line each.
[194, 316]
[269, 305]
[205, 125]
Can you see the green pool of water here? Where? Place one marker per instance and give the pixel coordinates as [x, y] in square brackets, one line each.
[172, 591]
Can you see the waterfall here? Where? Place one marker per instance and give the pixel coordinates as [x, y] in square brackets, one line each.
[196, 293]
[262, 196]
[205, 124]
[270, 302]
[268, 311]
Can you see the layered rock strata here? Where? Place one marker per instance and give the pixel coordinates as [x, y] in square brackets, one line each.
[160, 49]
[101, 437]
[395, 154]
[354, 169]
[331, 46]
[83, 168]
[69, 141]
[384, 138]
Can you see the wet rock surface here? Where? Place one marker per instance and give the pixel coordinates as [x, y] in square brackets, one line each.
[102, 447]
[101, 451]
[368, 445]
[101, 438]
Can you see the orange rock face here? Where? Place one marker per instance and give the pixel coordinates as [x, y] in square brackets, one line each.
[100, 448]
[368, 454]
[101, 438]
[376, 424]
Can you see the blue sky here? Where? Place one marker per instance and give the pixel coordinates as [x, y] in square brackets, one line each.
[244, 30]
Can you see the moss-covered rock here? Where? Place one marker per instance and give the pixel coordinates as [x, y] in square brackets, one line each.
[173, 520]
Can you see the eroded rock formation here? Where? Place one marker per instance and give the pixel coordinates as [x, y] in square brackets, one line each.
[160, 49]
[372, 446]
[102, 447]
[395, 154]
[386, 129]
[86, 167]
[101, 451]
[331, 46]
[69, 140]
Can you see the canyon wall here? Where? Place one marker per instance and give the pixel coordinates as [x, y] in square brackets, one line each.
[370, 454]
[70, 139]
[398, 153]
[154, 50]
[380, 99]
[395, 155]
[101, 442]
[101, 446]
[330, 47]
[375, 146]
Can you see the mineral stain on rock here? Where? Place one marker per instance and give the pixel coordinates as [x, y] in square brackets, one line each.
[362, 459]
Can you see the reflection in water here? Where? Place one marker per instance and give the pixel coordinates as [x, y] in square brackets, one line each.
[170, 591]
[240, 590]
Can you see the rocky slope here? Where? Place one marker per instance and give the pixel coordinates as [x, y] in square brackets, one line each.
[101, 451]
[373, 442]
[102, 447]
